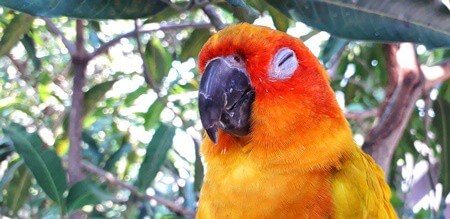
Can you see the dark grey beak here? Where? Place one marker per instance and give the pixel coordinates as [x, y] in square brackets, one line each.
[225, 99]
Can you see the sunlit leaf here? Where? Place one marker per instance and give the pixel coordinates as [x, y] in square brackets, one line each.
[131, 97]
[392, 21]
[44, 91]
[156, 155]
[19, 25]
[100, 9]
[153, 114]
[158, 59]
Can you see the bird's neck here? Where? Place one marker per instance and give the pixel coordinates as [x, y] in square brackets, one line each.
[296, 140]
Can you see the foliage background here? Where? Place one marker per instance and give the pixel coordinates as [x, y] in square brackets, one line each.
[136, 80]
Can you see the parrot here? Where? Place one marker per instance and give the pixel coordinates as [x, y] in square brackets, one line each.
[278, 144]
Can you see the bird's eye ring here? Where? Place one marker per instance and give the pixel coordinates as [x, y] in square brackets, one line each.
[284, 64]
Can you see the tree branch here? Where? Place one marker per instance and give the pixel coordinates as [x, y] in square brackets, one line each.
[405, 87]
[210, 11]
[79, 62]
[55, 31]
[145, 69]
[113, 180]
[436, 74]
[105, 47]
[361, 115]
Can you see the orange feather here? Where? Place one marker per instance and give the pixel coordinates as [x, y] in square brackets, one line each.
[300, 160]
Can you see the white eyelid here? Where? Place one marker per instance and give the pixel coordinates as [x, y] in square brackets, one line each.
[284, 64]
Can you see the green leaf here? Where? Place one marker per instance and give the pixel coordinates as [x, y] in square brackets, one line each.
[99, 9]
[199, 169]
[167, 13]
[91, 99]
[44, 164]
[156, 155]
[237, 3]
[17, 191]
[131, 97]
[18, 26]
[244, 14]
[44, 91]
[332, 48]
[95, 94]
[29, 44]
[259, 5]
[33, 138]
[153, 114]
[193, 44]
[9, 174]
[441, 123]
[93, 149]
[280, 20]
[84, 193]
[121, 152]
[385, 20]
[158, 59]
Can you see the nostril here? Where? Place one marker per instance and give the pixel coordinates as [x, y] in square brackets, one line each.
[237, 59]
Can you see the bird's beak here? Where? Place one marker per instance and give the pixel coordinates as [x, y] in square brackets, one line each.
[225, 99]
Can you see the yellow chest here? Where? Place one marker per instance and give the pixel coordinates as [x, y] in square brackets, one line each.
[243, 189]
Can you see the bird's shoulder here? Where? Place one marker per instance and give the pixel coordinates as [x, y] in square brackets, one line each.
[359, 189]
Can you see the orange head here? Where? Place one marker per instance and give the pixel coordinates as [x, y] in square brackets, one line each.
[285, 98]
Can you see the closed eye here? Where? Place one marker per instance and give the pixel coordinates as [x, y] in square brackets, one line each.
[285, 59]
[284, 64]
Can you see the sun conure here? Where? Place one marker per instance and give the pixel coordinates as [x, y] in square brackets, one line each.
[279, 146]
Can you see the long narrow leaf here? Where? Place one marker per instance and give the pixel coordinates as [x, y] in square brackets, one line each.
[44, 164]
[385, 20]
[18, 26]
[156, 155]
[99, 9]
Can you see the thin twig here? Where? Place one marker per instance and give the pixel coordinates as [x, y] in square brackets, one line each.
[113, 180]
[210, 11]
[145, 68]
[436, 74]
[104, 48]
[54, 30]
[361, 115]
[21, 67]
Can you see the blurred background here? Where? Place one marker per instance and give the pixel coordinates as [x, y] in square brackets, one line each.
[98, 99]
